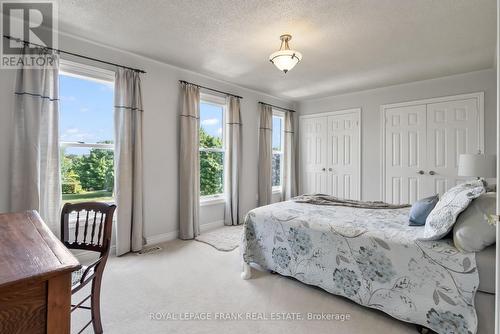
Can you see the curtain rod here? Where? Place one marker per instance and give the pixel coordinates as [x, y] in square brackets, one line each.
[281, 108]
[213, 90]
[73, 54]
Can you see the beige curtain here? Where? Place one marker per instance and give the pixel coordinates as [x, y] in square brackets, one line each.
[289, 185]
[128, 162]
[265, 155]
[35, 171]
[233, 162]
[189, 164]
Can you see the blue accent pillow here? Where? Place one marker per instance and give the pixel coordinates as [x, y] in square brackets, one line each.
[421, 209]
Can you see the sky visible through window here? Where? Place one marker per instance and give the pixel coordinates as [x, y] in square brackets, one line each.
[277, 124]
[211, 118]
[86, 110]
[86, 115]
[211, 144]
[278, 147]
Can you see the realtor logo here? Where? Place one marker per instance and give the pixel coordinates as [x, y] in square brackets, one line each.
[32, 24]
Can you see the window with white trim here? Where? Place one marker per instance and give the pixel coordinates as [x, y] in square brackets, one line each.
[212, 147]
[277, 145]
[86, 133]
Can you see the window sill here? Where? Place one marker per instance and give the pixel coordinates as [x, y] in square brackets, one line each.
[212, 201]
[277, 190]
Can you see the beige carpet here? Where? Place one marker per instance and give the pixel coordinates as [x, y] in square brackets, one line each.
[226, 238]
[189, 276]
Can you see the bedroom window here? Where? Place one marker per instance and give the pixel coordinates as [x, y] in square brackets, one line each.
[86, 133]
[277, 144]
[212, 147]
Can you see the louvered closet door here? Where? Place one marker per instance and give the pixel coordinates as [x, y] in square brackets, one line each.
[452, 129]
[313, 155]
[343, 155]
[405, 143]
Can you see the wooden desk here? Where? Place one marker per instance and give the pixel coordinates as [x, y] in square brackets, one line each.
[35, 277]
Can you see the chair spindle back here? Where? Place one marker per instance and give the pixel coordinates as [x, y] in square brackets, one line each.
[92, 223]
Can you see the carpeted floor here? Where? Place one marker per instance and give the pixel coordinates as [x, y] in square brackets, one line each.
[190, 276]
[225, 238]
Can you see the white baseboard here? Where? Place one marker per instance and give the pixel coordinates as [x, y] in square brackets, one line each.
[211, 226]
[159, 238]
[169, 236]
[86, 256]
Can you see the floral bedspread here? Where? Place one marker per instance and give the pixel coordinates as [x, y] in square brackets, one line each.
[370, 256]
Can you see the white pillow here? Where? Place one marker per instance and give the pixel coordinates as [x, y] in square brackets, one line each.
[442, 218]
[473, 230]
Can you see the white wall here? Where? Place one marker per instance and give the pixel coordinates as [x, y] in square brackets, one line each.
[371, 100]
[160, 94]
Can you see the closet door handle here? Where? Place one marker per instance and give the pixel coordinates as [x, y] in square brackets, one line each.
[432, 172]
[330, 169]
[323, 169]
[421, 172]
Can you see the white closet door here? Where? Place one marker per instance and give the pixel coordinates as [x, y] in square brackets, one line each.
[343, 155]
[313, 155]
[405, 157]
[452, 129]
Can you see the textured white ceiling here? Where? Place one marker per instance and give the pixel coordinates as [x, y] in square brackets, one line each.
[347, 45]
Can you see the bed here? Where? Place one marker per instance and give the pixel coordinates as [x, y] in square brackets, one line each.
[374, 258]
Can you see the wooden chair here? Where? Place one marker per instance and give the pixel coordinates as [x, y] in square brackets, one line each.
[96, 220]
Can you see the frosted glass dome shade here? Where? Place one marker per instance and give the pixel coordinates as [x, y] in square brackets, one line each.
[285, 59]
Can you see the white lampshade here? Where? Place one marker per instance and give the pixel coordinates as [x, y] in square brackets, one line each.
[478, 165]
[285, 58]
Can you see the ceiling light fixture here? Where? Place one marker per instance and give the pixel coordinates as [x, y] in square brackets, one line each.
[285, 59]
